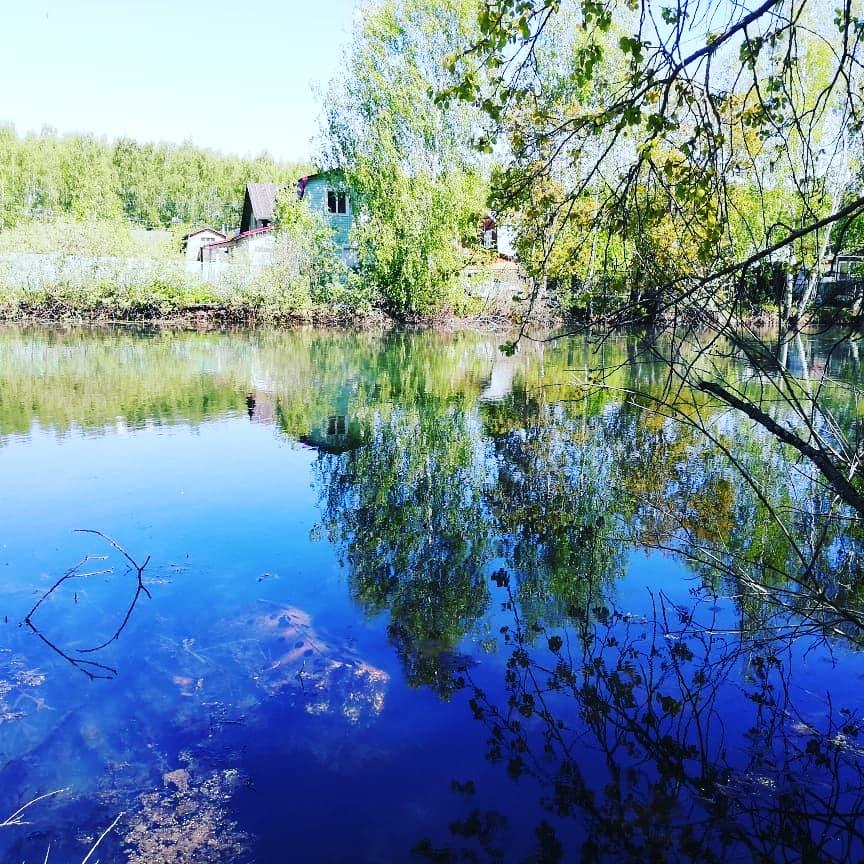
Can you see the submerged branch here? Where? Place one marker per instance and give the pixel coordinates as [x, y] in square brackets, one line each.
[15, 819]
[91, 668]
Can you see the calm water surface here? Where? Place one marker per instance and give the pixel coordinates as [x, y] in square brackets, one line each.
[410, 599]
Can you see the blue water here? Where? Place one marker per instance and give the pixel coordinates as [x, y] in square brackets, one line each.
[405, 634]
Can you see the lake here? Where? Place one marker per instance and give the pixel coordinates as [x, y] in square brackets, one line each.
[401, 597]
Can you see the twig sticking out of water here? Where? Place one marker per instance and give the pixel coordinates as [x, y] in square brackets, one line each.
[15, 819]
[104, 834]
[91, 668]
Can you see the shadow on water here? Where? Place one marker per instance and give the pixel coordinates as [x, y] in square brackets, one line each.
[516, 617]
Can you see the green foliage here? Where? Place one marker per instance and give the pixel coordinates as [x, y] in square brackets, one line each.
[308, 258]
[409, 245]
[91, 238]
[77, 177]
[640, 161]
[274, 295]
[417, 184]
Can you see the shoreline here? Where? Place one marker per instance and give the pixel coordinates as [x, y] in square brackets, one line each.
[214, 317]
[225, 318]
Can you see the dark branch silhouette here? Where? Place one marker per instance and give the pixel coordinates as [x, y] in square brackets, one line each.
[91, 668]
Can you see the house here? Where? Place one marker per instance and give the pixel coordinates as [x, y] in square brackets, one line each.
[327, 193]
[194, 241]
[336, 434]
[256, 245]
[256, 224]
[488, 234]
[843, 284]
[846, 266]
[259, 206]
[495, 238]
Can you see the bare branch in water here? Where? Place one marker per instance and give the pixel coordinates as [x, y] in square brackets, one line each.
[140, 589]
[91, 668]
[117, 546]
[71, 573]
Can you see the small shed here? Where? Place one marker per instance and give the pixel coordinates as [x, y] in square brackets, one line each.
[194, 241]
[259, 206]
[488, 233]
[327, 192]
[494, 237]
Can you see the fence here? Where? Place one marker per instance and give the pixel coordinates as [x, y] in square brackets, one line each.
[36, 270]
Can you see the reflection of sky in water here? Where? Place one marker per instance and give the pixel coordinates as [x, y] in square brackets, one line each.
[252, 654]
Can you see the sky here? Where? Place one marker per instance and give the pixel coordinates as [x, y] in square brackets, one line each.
[230, 75]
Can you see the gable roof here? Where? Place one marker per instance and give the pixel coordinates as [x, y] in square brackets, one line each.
[334, 174]
[201, 231]
[240, 235]
[262, 197]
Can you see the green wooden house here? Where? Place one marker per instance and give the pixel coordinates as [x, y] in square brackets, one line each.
[327, 193]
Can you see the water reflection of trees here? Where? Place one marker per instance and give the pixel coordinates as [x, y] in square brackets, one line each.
[703, 748]
[558, 492]
[668, 738]
[405, 510]
[537, 500]
[551, 505]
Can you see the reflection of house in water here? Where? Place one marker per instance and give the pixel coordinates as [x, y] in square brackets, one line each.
[501, 378]
[260, 409]
[335, 434]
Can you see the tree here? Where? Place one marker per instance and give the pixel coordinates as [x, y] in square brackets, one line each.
[417, 184]
[691, 145]
[47, 176]
[650, 129]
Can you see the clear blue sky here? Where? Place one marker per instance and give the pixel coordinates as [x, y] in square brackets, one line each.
[233, 75]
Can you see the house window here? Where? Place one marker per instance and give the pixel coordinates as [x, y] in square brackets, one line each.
[336, 425]
[337, 202]
[851, 267]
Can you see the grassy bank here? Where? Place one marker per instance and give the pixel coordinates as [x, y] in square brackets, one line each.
[172, 299]
[104, 270]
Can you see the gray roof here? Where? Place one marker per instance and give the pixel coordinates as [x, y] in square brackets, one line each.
[262, 196]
